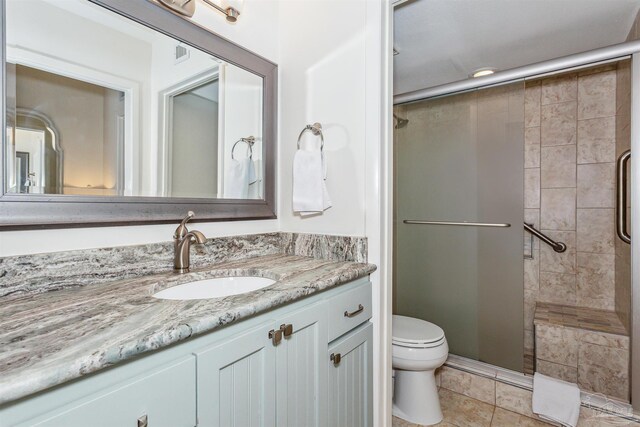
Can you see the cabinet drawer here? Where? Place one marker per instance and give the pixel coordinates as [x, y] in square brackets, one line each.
[166, 396]
[348, 310]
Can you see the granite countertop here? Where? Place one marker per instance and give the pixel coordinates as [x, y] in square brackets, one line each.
[53, 337]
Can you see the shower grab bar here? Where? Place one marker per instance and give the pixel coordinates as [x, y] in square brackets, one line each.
[462, 223]
[621, 196]
[557, 246]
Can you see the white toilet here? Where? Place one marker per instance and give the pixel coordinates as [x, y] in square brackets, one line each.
[419, 348]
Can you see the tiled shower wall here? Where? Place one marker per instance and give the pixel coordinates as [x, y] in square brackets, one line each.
[623, 143]
[570, 153]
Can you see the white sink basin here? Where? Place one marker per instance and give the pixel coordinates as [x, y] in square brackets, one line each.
[214, 288]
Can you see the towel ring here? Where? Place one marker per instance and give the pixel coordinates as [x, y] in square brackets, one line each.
[315, 129]
[249, 140]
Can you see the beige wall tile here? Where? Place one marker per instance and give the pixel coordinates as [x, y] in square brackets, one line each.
[558, 209]
[597, 140]
[623, 280]
[595, 285]
[531, 216]
[532, 147]
[557, 344]
[604, 339]
[528, 339]
[475, 386]
[559, 89]
[558, 124]
[604, 370]
[557, 288]
[530, 298]
[595, 230]
[532, 106]
[556, 370]
[563, 262]
[597, 95]
[558, 166]
[532, 272]
[596, 185]
[532, 188]
[460, 410]
[514, 399]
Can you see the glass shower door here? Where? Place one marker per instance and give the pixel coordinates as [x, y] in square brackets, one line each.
[458, 220]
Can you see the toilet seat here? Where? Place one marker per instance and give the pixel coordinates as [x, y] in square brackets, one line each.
[416, 333]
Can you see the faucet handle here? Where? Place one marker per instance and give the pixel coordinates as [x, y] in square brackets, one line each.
[182, 230]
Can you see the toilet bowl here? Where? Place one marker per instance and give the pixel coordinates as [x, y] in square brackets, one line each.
[418, 349]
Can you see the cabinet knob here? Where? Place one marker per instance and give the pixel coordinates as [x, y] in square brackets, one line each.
[143, 421]
[275, 335]
[287, 329]
[335, 358]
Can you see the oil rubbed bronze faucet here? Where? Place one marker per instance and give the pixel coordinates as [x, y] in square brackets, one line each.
[182, 240]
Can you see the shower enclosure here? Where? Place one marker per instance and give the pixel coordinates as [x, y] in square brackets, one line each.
[505, 213]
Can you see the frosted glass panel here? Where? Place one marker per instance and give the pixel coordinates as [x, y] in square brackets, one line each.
[460, 158]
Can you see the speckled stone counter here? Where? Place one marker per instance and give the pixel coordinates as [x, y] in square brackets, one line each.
[48, 338]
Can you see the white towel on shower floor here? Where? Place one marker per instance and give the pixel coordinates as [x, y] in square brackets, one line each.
[556, 400]
[310, 195]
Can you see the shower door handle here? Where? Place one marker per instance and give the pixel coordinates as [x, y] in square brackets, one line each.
[621, 196]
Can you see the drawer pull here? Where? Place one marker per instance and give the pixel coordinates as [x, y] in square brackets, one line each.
[275, 335]
[287, 329]
[354, 313]
[335, 358]
[143, 421]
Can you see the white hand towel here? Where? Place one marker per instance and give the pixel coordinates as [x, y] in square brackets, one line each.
[240, 173]
[556, 400]
[310, 195]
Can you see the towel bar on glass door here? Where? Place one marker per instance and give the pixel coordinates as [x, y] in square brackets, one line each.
[461, 223]
[315, 129]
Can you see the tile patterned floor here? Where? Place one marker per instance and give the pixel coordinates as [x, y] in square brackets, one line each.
[580, 317]
[462, 411]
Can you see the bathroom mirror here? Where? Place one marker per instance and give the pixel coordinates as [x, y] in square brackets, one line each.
[123, 112]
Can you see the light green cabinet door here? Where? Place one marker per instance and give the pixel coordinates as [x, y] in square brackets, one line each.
[236, 381]
[350, 379]
[165, 397]
[301, 381]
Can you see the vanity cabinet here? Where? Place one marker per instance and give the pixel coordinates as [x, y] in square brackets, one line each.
[350, 361]
[275, 369]
[166, 397]
[301, 369]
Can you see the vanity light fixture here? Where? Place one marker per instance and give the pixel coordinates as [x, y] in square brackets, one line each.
[231, 8]
[482, 72]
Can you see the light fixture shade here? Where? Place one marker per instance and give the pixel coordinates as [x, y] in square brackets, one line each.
[234, 4]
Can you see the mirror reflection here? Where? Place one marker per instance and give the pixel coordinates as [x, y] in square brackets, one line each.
[99, 105]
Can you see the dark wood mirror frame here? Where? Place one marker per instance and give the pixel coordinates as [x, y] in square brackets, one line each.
[20, 211]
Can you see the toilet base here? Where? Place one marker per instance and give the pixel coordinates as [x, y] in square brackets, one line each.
[415, 397]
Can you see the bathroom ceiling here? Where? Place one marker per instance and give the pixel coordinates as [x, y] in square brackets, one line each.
[441, 41]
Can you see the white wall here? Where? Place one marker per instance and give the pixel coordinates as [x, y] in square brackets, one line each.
[322, 66]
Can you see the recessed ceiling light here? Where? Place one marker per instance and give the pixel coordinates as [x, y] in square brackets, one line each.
[482, 72]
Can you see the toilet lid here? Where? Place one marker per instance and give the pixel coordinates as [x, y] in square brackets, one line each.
[409, 330]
